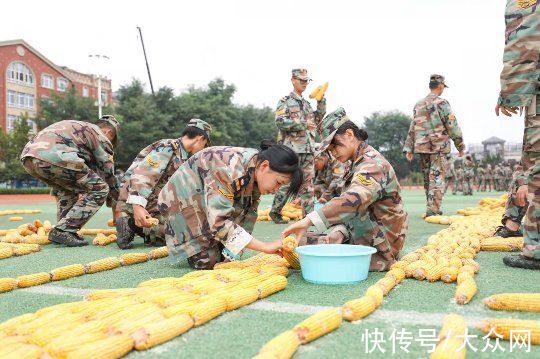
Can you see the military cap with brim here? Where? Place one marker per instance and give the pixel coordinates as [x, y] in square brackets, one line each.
[437, 79]
[203, 126]
[301, 74]
[330, 124]
[112, 121]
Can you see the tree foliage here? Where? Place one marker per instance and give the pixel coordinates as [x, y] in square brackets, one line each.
[11, 146]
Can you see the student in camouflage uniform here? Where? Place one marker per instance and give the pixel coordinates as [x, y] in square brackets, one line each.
[145, 178]
[497, 178]
[432, 127]
[297, 123]
[459, 179]
[468, 175]
[369, 210]
[480, 174]
[520, 89]
[75, 158]
[489, 177]
[449, 174]
[507, 171]
[328, 177]
[516, 206]
[211, 201]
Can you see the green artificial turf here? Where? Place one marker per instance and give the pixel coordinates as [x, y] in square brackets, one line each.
[241, 333]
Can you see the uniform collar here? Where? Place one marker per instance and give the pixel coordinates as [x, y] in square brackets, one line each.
[296, 96]
[180, 150]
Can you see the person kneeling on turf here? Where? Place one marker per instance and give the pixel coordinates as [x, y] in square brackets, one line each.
[145, 178]
[211, 202]
[369, 210]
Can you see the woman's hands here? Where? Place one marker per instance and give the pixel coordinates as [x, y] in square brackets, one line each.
[140, 215]
[299, 228]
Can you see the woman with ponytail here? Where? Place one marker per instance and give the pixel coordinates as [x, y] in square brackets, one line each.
[369, 210]
[211, 201]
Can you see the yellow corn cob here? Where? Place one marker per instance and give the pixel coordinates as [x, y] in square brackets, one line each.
[453, 325]
[23, 351]
[130, 324]
[428, 258]
[9, 326]
[526, 302]
[112, 347]
[110, 293]
[449, 274]
[133, 258]
[293, 259]
[503, 326]
[268, 269]
[467, 268]
[33, 279]
[502, 244]
[386, 284]
[102, 240]
[359, 308]
[411, 257]
[95, 231]
[449, 349]
[178, 309]
[282, 346]
[471, 262]
[11, 342]
[35, 323]
[434, 273]
[6, 252]
[463, 276]
[42, 336]
[409, 270]
[289, 244]
[318, 324]
[153, 221]
[240, 298]
[41, 231]
[36, 239]
[208, 310]
[162, 331]
[272, 285]
[397, 273]
[7, 284]
[421, 272]
[456, 262]
[15, 219]
[399, 264]
[376, 293]
[160, 252]
[102, 265]
[465, 291]
[70, 271]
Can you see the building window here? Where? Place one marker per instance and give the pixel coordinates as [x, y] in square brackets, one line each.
[62, 84]
[47, 81]
[103, 97]
[19, 73]
[21, 100]
[85, 91]
[11, 121]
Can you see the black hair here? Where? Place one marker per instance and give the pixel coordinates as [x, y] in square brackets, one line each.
[283, 159]
[191, 132]
[433, 85]
[358, 132]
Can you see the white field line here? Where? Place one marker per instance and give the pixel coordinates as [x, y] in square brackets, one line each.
[393, 317]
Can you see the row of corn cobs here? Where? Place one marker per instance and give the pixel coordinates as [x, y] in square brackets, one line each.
[75, 270]
[10, 212]
[290, 212]
[486, 206]
[36, 232]
[110, 323]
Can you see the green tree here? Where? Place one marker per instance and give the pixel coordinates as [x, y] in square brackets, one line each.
[387, 133]
[11, 146]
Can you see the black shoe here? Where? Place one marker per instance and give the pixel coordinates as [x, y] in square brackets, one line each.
[68, 239]
[277, 218]
[519, 261]
[124, 232]
[503, 231]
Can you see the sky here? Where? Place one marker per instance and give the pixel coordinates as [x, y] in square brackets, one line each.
[377, 55]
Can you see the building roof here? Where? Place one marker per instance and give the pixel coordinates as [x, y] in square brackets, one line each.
[493, 140]
[36, 52]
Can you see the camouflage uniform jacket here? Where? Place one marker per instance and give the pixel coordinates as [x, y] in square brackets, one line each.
[215, 191]
[497, 173]
[149, 172]
[468, 168]
[449, 171]
[75, 145]
[480, 172]
[489, 173]
[432, 127]
[371, 192]
[459, 174]
[292, 113]
[520, 76]
[331, 176]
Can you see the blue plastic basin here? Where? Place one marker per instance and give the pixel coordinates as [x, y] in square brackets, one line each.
[335, 263]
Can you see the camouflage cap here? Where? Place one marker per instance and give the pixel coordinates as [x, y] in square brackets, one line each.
[201, 125]
[300, 74]
[330, 124]
[439, 79]
[111, 120]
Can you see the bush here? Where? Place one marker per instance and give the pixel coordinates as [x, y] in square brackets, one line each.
[43, 190]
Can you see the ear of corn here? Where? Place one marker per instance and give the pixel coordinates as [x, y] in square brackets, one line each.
[268, 269]
[133, 258]
[239, 298]
[7, 284]
[462, 277]
[397, 273]
[500, 244]
[112, 347]
[162, 331]
[453, 325]
[449, 274]
[386, 284]
[33, 279]
[293, 259]
[102, 265]
[503, 327]
[22, 351]
[6, 252]
[321, 92]
[272, 285]
[451, 348]
[282, 346]
[526, 302]
[178, 309]
[358, 308]
[318, 325]
[465, 291]
[69, 271]
[434, 273]
[102, 240]
[206, 311]
[160, 252]
[42, 336]
[289, 244]
[376, 293]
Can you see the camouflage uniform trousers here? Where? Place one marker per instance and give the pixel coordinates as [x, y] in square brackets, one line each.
[450, 180]
[432, 165]
[481, 184]
[531, 162]
[468, 185]
[306, 193]
[513, 211]
[211, 252]
[79, 194]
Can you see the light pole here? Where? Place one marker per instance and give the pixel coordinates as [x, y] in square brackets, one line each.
[100, 59]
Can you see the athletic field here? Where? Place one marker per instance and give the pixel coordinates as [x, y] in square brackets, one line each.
[403, 326]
